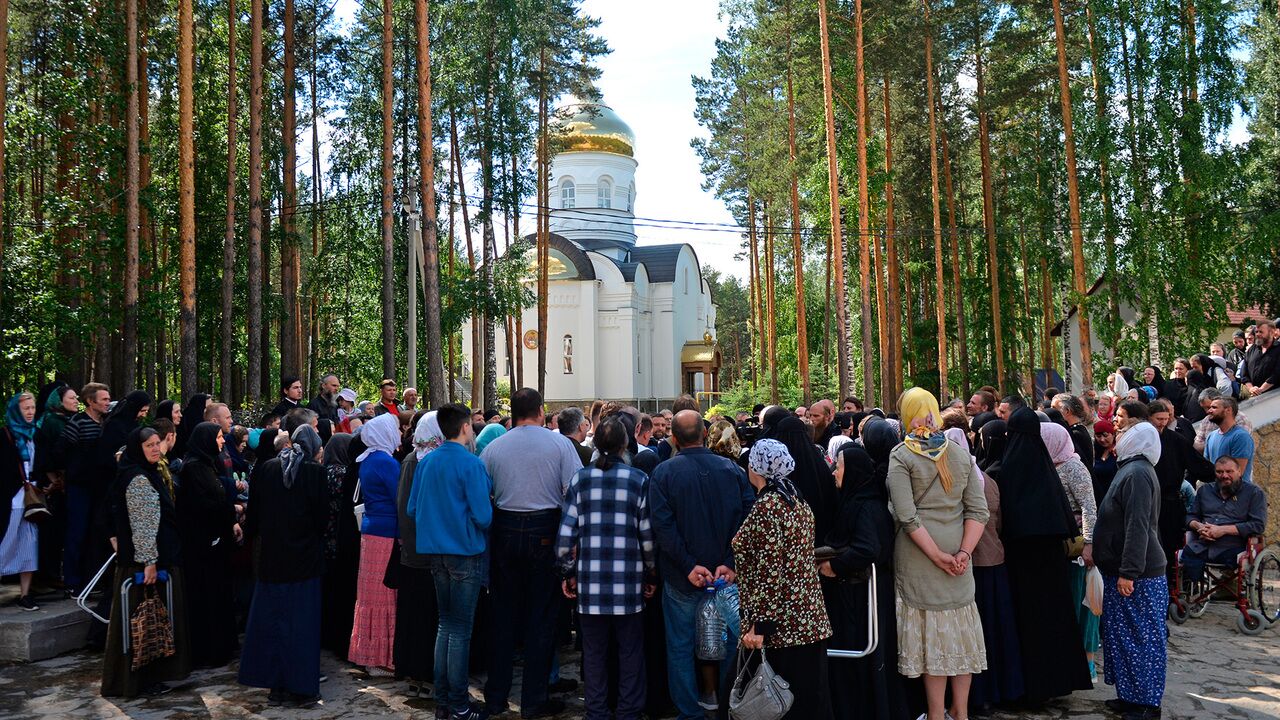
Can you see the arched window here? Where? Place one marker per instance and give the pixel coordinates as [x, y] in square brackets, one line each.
[631, 198]
[686, 281]
[604, 194]
[568, 194]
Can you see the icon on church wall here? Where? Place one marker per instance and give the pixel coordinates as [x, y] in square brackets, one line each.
[568, 354]
[531, 339]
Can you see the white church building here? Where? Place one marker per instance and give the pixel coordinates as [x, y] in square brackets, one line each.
[624, 322]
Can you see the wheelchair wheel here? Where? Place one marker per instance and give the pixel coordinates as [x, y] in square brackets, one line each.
[1177, 613]
[1251, 623]
[1264, 581]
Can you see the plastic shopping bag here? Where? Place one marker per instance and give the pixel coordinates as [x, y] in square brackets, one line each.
[1093, 591]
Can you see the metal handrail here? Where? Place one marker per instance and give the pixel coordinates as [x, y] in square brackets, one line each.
[873, 625]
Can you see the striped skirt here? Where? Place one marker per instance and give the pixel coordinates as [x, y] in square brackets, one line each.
[373, 632]
[19, 550]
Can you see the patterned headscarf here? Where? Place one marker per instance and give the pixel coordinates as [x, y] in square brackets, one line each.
[771, 460]
[23, 432]
[427, 435]
[919, 405]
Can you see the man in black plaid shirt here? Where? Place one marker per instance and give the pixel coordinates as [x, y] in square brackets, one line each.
[606, 551]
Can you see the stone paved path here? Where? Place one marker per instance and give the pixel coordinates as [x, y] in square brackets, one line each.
[1214, 672]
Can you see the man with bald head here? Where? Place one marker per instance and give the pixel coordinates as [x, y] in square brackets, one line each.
[697, 500]
[821, 414]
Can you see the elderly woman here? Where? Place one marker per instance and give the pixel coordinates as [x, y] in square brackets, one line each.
[1078, 485]
[941, 511]
[782, 606]
[374, 626]
[19, 548]
[147, 538]
[1136, 592]
[288, 508]
[863, 537]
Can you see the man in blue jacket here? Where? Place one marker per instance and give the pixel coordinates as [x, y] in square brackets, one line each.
[452, 512]
[697, 501]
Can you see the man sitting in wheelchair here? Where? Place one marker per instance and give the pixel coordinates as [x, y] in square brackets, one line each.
[1223, 516]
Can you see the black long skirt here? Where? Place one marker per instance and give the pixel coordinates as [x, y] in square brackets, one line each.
[119, 679]
[211, 609]
[868, 688]
[282, 639]
[417, 620]
[1053, 660]
[804, 667]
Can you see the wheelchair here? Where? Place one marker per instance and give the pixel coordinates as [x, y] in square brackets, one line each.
[1253, 583]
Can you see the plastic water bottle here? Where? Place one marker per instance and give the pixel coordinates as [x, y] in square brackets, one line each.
[711, 633]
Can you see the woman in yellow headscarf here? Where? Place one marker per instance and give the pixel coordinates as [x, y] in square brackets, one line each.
[941, 511]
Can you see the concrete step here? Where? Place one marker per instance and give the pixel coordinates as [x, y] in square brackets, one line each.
[57, 627]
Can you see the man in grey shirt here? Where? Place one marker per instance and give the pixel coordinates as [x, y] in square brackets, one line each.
[531, 467]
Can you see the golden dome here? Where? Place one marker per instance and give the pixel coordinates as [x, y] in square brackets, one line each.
[594, 127]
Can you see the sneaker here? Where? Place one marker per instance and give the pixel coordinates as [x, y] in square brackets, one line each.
[474, 712]
[26, 603]
[324, 678]
[379, 672]
[707, 701]
[550, 708]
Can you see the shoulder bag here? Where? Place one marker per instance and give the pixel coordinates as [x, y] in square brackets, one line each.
[763, 695]
[34, 508]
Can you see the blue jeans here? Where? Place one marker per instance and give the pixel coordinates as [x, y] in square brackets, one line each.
[679, 611]
[458, 579]
[523, 583]
[79, 510]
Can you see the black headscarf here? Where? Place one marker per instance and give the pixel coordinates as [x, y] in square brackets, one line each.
[192, 415]
[202, 447]
[993, 438]
[164, 410]
[117, 426]
[1032, 501]
[126, 411]
[267, 445]
[337, 450]
[856, 420]
[859, 481]
[1056, 417]
[1158, 382]
[1196, 382]
[811, 477]
[773, 415]
[1128, 375]
[42, 397]
[879, 438]
[133, 461]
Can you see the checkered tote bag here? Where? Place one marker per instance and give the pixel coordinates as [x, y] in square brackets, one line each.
[150, 630]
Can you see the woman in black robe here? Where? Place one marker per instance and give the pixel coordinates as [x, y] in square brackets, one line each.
[993, 438]
[342, 553]
[811, 477]
[1037, 519]
[209, 535]
[192, 415]
[863, 530]
[1196, 383]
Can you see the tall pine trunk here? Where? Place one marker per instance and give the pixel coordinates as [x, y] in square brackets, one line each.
[989, 213]
[864, 203]
[771, 305]
[229, 235]
[833, 190]
[289, 260]
[477, 350]
[940, 302]
[187, 196]
[388, 191]
[1079, 282]
[131, 222]
[802, 334]
[4, 96]
[430, 243]
[256, 346]
[957, 279]
[892, 313]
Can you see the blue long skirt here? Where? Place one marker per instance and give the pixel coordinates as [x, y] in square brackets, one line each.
[1134, 639]
[1001, 682]
[282, 640]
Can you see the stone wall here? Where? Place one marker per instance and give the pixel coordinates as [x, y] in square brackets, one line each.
[1264, 413]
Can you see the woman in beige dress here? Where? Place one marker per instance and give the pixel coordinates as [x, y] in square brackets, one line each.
[940, 511]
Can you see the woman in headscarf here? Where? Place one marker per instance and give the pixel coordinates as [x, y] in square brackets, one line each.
[417, 619]
[288, 508]
[341, 546]
[1077, 483]
[1135, 590]
[147, 541]
[19, 537]
[1197, 382]
[1037, 519]
[209, 534]
[1152, 377]
[193, 413]
[1001, 682]
[373, 629]
[491, 432]
[168, 410]
[940, 509]
[868, 687]
[1104, 457]
[782, 603]
[1213, 372]
[812, 476]
[62, 403]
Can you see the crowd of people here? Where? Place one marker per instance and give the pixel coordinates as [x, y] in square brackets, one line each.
[431, 545]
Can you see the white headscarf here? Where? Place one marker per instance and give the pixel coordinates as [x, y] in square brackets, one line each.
[957, 436]
[1141, 439]
[427, 435]
[381, 433]
[1121, 385]
[834, 445]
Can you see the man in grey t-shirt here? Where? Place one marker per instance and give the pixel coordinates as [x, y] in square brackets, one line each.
[531, 467]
